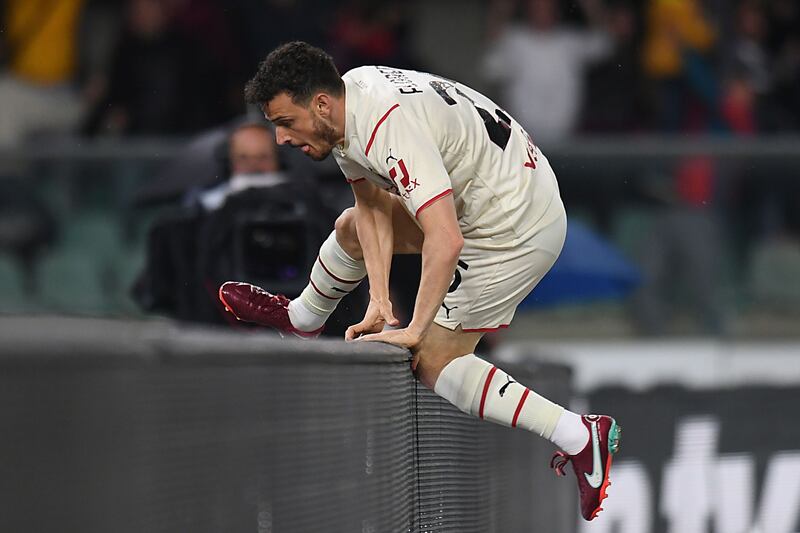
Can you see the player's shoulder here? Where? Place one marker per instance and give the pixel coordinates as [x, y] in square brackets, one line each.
[370, 84]
[371, 95]
[362, 74]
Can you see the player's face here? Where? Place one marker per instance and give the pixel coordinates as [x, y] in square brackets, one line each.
[301, 126]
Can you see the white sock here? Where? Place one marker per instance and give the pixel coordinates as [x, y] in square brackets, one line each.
[571, 435]
[334, 275]
[479, 388]
[303, 318]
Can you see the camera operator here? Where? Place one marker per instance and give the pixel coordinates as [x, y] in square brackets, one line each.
[251, 158]
[247, 225]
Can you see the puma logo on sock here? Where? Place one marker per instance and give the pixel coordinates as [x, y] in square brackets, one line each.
[504, 387]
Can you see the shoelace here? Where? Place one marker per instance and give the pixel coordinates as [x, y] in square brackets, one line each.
[559, 461]
[280, 300]
[272, 299]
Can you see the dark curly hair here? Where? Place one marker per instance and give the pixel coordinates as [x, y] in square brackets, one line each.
[296, 68]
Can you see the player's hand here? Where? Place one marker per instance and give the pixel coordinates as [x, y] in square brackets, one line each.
[379, 313]
[405, 338]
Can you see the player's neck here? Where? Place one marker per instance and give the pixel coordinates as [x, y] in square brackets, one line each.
[339, 118]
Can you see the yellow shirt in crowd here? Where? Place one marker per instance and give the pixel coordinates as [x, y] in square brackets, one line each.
[42, 39]
[672, 27]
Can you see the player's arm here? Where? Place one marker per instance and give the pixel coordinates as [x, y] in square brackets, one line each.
[373, 212]
[440, 250]
[404, 150]
[375, 234]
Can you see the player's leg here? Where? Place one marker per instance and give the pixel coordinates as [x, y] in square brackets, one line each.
[407, 235]
[334, 275]
[340, 267]
[445, 362]
[485, 292]
[338, 270]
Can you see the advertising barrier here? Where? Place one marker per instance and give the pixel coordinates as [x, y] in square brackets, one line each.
[710, 440]
[710, 461]
[149, 427]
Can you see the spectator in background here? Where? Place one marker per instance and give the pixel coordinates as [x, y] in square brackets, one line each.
[677, 41]
[682, 255]
[739, 101]
[745, 104]
[159, 83]
[149, 74]
[100, 29]
[615, 99]
[211, 31]
[265, 24]
[366, 32]
[783, 42]
[40, 49]
[540, 65]
[763, 94]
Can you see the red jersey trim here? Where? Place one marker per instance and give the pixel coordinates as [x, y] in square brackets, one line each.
[378, 125]
[429, 202]
[486, 329]
[355, 180]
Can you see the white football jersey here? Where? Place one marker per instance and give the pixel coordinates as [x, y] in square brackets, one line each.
[421, 136]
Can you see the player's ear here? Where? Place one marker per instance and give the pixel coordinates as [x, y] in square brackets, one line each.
[321, 103]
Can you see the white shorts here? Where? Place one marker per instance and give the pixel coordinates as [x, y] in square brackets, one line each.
[489, 285]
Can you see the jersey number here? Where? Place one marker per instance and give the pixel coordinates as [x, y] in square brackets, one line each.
[498, 129]
[457, 276]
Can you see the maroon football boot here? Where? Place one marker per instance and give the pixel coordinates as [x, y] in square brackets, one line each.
[592, 464]
[249, 303]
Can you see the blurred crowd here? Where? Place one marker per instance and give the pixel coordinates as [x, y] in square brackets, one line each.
[660, 65]
[161, 67]
[164, 67]
[176, 68]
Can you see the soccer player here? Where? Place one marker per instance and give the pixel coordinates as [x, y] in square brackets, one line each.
[438, 169]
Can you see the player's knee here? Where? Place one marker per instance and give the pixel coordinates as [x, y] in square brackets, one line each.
[438, 348]
[429, 367]
[346, 234]
[427, 373]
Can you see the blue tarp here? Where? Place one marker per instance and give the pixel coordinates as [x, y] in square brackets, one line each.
[588, 269]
